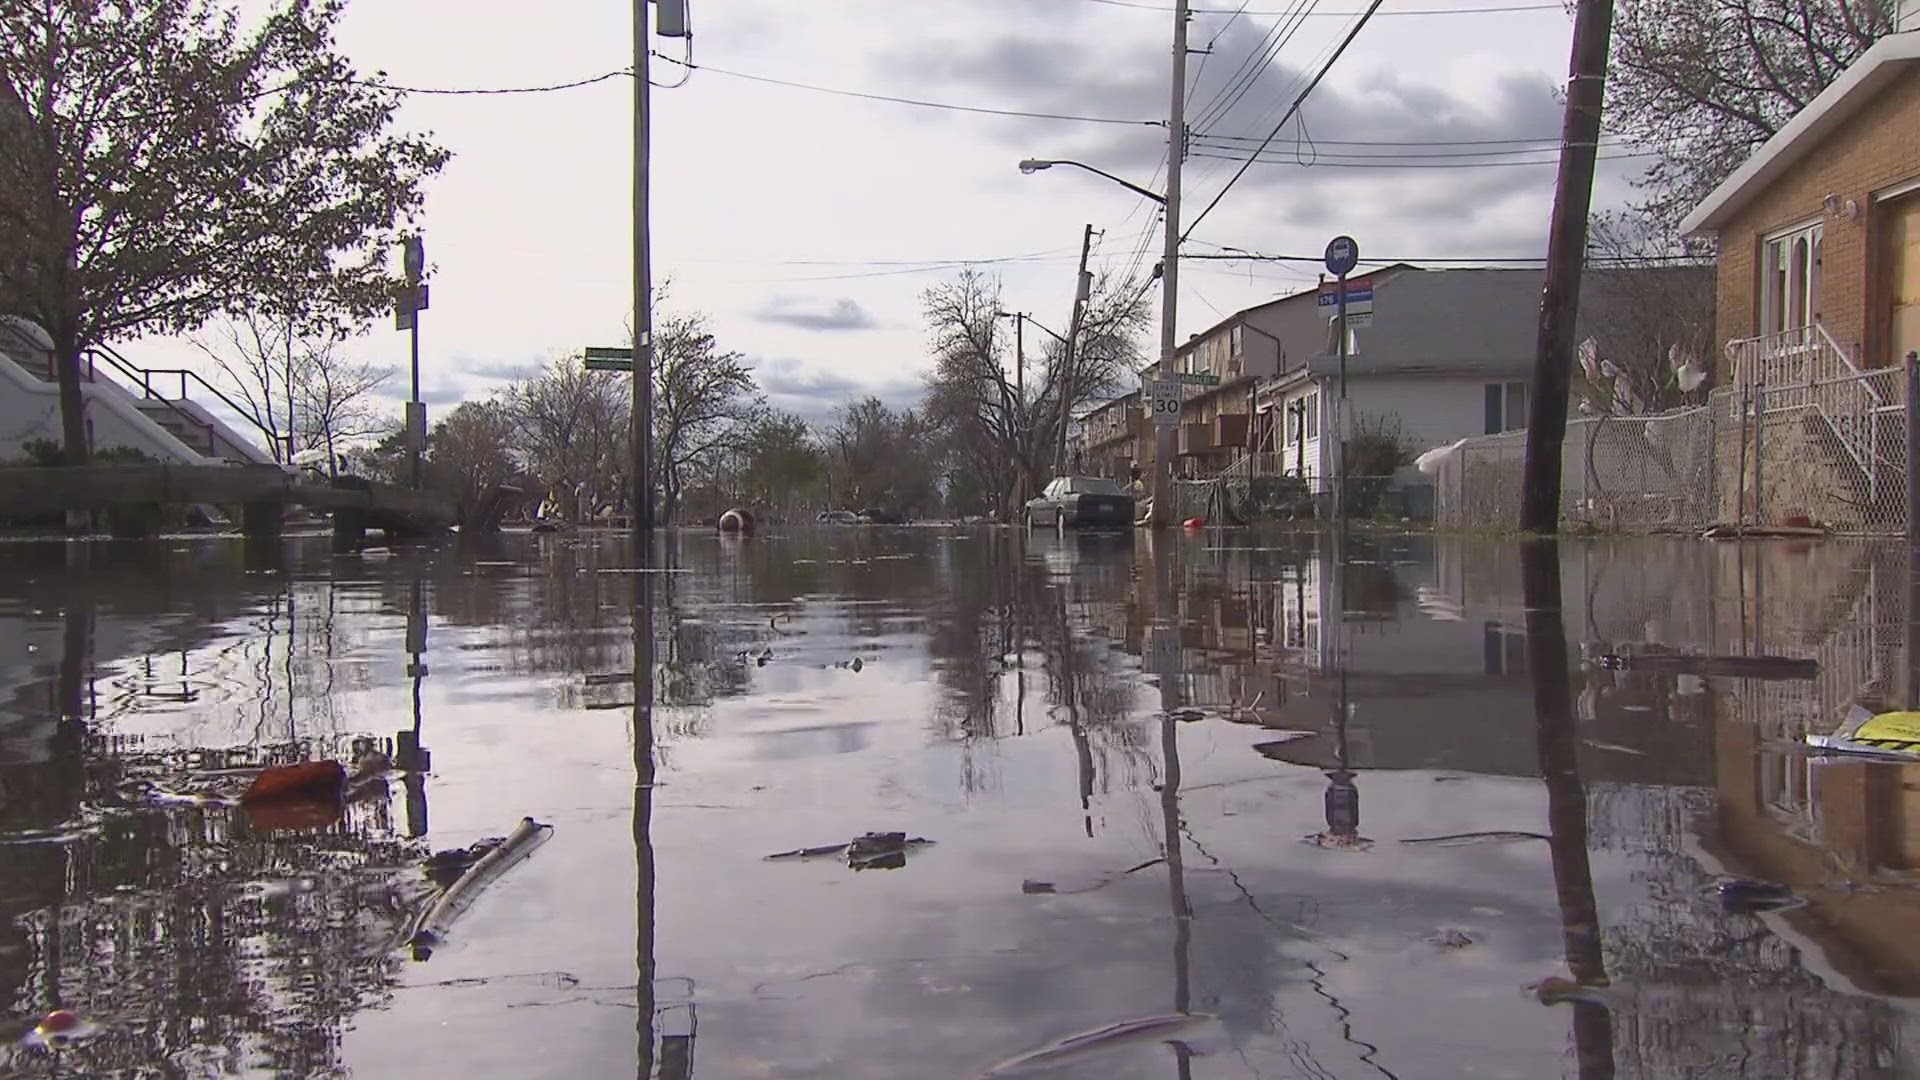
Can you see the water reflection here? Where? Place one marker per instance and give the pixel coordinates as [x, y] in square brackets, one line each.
[1066, 717]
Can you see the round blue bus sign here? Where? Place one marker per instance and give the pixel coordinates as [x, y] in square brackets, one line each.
[1343, 254]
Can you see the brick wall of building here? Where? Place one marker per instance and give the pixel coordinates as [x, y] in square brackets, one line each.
[1878, 147]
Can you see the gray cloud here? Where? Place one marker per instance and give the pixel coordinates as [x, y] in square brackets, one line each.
[844, 314]
[504, 370]
[1372, 157]
[815, 396]
[441, 393]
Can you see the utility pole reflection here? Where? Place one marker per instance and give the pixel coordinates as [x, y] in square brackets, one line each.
[412, 759]
[1559, 742]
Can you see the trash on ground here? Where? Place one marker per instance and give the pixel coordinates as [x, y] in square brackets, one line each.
[1450, 938]
[1742, 895]
[1894, 735]
[1732, 667]
[1171, 1029]
[869, 851]
[454, 900]
[1498, 836]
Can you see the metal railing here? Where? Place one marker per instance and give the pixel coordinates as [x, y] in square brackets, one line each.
[143, 378]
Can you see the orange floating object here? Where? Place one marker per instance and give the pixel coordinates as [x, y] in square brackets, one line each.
[308, 781]
[1194, 523]
[58, 1022]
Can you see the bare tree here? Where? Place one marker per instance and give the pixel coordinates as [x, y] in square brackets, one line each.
[255, 358]
[181, 159]
[1002, 429]
[573, 432]
[471, 455]
[335, 397]
[1701, 83]
[880, 457]
[703, 400]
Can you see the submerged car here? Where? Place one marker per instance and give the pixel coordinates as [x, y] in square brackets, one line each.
[1081, 502]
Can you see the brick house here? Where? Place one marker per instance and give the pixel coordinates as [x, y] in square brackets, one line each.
[1818, 271]
[1820, 229]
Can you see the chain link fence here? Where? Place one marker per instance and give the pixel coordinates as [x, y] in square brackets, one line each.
[1829, 452]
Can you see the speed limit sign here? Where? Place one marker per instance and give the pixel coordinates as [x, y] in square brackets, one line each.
[1165, 396]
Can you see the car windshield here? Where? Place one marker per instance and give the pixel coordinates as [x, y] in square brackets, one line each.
[1088, 485]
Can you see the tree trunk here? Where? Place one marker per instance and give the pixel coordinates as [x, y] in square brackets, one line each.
[73, 411]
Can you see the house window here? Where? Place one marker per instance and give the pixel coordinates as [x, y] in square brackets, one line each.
[1234, 339]
[1790, 283]
[1506, 407]
[1310, 406]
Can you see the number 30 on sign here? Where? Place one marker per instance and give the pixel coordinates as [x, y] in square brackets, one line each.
[1166, 402]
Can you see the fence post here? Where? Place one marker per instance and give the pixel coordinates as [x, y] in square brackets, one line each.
[1759, 450]
[1912, 410]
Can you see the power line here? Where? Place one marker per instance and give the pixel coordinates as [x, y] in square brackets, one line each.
[1387, 161]
[1047, 254]
[918, 102]
[1552, 141]
[1256, 63]
[1350, 12]
[1295, 107]
[1251, 256]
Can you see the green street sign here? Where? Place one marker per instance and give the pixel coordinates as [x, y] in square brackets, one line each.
[606, 358]
[1198, 379]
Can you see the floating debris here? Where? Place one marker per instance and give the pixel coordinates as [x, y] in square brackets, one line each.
[1499, 836]
[454, 900]
[1172, 1029]
[60, 1028]
[1742, 895]
[1032, 887]
[1450, 938]
[869, 851]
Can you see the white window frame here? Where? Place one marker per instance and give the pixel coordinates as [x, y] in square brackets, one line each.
[1776, 312]
[1508, 421]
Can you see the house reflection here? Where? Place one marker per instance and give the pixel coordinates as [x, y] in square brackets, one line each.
[1684, 776]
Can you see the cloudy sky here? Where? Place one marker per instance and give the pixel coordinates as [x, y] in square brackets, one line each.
[807, 223]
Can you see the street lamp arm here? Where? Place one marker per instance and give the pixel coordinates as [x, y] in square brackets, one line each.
[1034, 165]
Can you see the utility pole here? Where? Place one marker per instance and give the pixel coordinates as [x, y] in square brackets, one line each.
[1566, 257]
[1082, 292]
[642, 434]
[1020, 411]
[1170, 264]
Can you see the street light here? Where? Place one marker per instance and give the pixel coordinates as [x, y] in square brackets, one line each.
[1031, 321]
[1034, 165]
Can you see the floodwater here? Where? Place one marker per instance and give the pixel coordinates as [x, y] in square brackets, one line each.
[1344, 818]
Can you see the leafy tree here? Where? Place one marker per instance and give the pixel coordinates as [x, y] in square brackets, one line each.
[1702, 83]
[782, 462]
[169, 160]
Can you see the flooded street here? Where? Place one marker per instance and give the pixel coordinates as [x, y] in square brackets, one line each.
[1343, 820]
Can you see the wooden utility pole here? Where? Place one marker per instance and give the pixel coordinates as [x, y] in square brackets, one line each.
[641, 506]
[1170, 265]
[1082, 292]
[1566, 258]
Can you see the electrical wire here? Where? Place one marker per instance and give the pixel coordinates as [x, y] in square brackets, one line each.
[918, 102]
[1258, 62]
[1252, 256]
[1410, 11]
[1315, 146]
[1387, 162]
[1295, 107]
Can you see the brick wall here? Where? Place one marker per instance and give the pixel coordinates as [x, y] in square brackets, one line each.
[1878, 147]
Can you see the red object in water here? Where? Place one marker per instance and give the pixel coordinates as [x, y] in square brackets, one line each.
[59, 1021]
[1194, 524]
[309, 781]
[290, 814]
